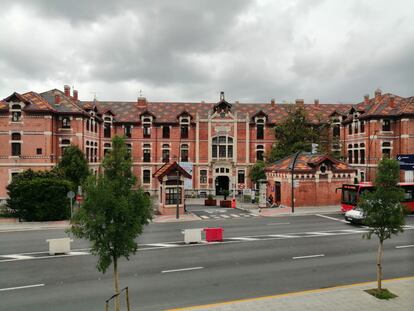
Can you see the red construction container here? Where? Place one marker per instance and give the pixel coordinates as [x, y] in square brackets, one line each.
[214, 234]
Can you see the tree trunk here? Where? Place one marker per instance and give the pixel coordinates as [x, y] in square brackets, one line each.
[379, 266]
[116, 282]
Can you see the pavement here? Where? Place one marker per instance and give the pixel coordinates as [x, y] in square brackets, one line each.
[339, 298]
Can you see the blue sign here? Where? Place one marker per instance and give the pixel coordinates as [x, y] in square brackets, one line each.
[406, 161]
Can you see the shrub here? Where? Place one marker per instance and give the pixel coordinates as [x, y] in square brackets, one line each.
[39, 196]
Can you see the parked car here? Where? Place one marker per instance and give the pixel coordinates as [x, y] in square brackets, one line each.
[355, 216]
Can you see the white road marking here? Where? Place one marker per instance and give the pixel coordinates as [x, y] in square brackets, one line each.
[225, 216]
[281, 236]
[309, 256]
[277, 223]
[21, 287]
[246, 215]
[244, 239]
[204, 217]
[16, 256]
[185, 269]
[78, 253]
[320, 233]
[404, 246]
[331, 218]
[234, 215]
[162, 245]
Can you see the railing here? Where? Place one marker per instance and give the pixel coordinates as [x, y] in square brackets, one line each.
[116, 295]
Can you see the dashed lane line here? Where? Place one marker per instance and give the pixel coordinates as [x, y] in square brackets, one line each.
[244, 239]
[404, 246]
[331, 218]
[308, 256]
[21, 287]
[181, 270]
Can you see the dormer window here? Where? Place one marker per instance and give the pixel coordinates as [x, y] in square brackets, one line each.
[260, 128]
[146, 127]
[16, 113]
[350, 129]
[66, 122]
[184, 124]
[165, 131]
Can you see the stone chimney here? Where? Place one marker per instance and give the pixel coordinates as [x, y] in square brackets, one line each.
[392, 101]
[366, 98]
[378, 93]
[142, 102]
[67, 90]
[57, 98]
[75, 95]
[316, 102]
[272, 102]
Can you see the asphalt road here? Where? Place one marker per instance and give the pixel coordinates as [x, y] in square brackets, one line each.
[240, 268]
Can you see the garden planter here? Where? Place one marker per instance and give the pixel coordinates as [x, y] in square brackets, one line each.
[210, 202]
[225, 203]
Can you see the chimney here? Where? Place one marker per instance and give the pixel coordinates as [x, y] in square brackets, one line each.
[75, 95]
[392, 101]
[57, 98]
[316, 102]
[67, 90]
[366, 98]
[142, 102]
[299, 102]
[272, 102]
[221, 96]
[377, 93]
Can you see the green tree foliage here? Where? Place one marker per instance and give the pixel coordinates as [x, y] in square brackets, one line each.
[113, 214]
[74, 166]
[382, 207]
[39, 196]
[292, 135]
[257, 171]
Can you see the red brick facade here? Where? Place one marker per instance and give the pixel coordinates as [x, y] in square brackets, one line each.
[217, 141]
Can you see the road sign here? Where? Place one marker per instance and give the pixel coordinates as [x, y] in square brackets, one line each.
[79, 198]
[70, 195]
[406, 161]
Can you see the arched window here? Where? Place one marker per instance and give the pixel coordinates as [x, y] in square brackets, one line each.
[146, 127]
[16, 113]
[184, 124]
[107, 148]
[259, 153]
[222, 147]
[184, 153]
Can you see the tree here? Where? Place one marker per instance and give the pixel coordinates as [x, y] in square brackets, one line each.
[113, 214]
[257, 172]
[39, 196]
[292, 135]
[383, 210]
[74, 166]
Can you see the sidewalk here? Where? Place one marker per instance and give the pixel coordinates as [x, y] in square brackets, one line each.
[10, 224]
[341, 298]
[287, 211]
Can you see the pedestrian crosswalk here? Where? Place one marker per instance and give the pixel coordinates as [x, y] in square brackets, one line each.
[206, 216]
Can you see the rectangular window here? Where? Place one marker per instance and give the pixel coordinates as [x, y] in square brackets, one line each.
[172, 195]
[166, 155]
[214, 151]
[386, 125]
[127, 131]
[16, 149]
[356, 160]
[350, 129]
[184, 131]
[16, 116]
[39, 151]
[146, 176]
[107, 130]
[222, 151]
[147, 131]
[203, 176]
[240, 177]
[66, 122]
[147, 155]
[336, 131]
[165, 132]
[350, 156]
[184, 155]
[259, 155]
[362, 154]
[386, 153]
[260, 131]
[362, 126]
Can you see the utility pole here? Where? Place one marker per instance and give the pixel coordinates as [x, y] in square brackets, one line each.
[177, 212]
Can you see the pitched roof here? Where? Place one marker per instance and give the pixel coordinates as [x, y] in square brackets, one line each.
[167, 168]
[307, 162]
[66, 105]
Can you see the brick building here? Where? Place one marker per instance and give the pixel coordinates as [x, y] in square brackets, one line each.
[217, 142]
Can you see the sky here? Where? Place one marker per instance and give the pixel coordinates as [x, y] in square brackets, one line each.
[190, 50]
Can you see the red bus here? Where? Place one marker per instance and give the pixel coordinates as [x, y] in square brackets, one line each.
[352, 192]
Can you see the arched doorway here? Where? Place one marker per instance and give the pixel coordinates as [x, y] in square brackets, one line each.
[222, 183]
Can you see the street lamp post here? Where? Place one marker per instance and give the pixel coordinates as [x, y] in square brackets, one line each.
[292, 180]
[177, 212]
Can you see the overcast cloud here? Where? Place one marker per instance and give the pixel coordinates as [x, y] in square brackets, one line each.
[336, 51]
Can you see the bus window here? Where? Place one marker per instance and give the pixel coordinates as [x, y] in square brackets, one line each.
[349, 196]
[408, 193]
